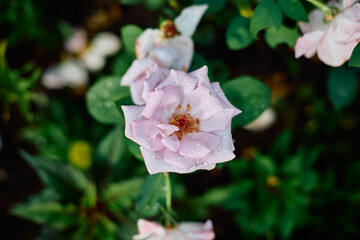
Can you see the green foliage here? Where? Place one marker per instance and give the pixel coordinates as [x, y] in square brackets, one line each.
[122, 63]
[284, 34]
[341, 83]
[68, 182]
[214, 5]
[122, 194]
[151, 195]
[248, 94]
[51, 213]
[238, 34]
[154, 4]
[102, 97]
[15, 88]
[267, 14]
[129, 34]
[355, 57]
[112, 148]
[293, 9]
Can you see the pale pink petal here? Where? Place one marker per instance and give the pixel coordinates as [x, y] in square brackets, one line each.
[218, 121]
[203, 104]
[198, 145]
[131, 113]
[263, 122]
[183, 50]
[224, 151]
[316, 21]
[105, 44]
[308, 44]
[197, 231]
[220, 93]
[93, 61]
[348, 3]
[189, 18]
[202, 75]
[146, 134]
[77, 41]
[138, 70]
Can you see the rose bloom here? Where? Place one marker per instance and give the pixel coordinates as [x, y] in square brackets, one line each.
[183, 231]
[171, 46]
[184, 124]
[335, 40]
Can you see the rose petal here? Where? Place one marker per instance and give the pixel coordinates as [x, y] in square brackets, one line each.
[189, 18]
[198, 145]
[131, 113]
[308, 44]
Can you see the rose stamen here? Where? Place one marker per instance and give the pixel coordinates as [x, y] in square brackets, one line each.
[184, 122]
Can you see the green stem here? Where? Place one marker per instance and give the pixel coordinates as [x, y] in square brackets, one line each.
[325, 9]
[168, 191]
[168, 220]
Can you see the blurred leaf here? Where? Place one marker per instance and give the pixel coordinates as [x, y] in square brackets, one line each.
[238, 34]
[341, 83]
[129, 34]
[65, 180]
[281, 146]
[120, 195]
[205, 36]
[197, 62]
[129, 2]
[267, 14]
[104, 229]
[219, 70]
[264, 165]
[154, 4]
[101, 97]
[150, 195]
[216, 196]
[249, 95]
[112, 147]
[122, 63]
[294, 164]
[284, 34]
[355, 57]
[50, 213]
[134, 148]
[214, 5]
[293, 9]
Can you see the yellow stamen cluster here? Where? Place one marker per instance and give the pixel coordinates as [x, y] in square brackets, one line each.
[184, 122]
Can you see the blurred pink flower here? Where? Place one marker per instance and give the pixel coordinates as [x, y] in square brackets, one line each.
[183, 231]
[333, 41]
[137, 73]
[171, 46]
[77, 41]
[185, 123]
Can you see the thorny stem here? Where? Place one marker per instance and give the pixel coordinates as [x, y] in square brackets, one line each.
[168, 198]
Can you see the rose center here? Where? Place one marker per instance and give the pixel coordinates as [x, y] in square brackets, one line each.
[184, 122]
[168, 29]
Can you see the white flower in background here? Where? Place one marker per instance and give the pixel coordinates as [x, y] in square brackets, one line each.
[77, 41]
[171, 46]
[263, 122]
[333, 40]
[183, 231]
[102, 45]
[70, 73]
[73, 72]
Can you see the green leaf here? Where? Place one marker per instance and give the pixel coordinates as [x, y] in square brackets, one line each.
[129, 2]
[214, 5]
[68, 182]
[50, 213]
[293, 9]
[151, 194]
[104, 228]
[267, 14]
[238, 34]
[294, 164]
[129, 34]
[102, 97]
[284, 34]
[112, 147]
[355, 57]
[121, 195]
[264, 165]
[122, 63]
[341, 85]
[248, 94]
[134, 148]
[155, 4]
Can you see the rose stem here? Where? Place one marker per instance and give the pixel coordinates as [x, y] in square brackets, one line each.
[168, 197]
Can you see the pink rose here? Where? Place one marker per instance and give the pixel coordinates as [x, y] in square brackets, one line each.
[333, 41]
[185, 123]
[137, 73]
[183, 231]
[171, 46]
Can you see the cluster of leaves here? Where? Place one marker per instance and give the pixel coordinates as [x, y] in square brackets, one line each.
[15, 87]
